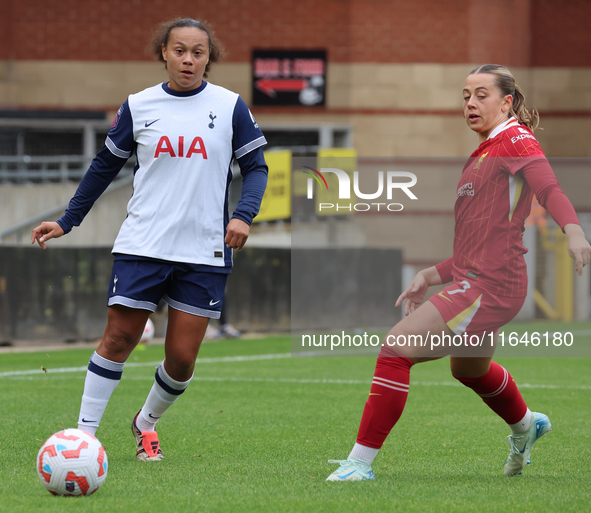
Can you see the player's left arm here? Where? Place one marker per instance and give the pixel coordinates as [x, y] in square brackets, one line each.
[539, 175]
[578, 247]
[247, 144]
[254, 182]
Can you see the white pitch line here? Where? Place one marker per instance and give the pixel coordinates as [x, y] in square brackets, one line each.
[62, 370]
[361, 382]
[277, 380]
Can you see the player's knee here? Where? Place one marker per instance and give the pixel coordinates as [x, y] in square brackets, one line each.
[466, 370]
[400, 344]
[181, 364]
[120, 341]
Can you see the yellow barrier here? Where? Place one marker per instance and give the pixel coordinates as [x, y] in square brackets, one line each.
[564, 306]
[276, 202]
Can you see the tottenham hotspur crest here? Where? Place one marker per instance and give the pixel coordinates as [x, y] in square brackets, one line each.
[212, 117]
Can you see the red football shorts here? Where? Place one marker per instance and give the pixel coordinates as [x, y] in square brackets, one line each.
[468, 308]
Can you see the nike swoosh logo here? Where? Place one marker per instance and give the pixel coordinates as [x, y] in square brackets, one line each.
[347, 475]
[444, 297]
[84, 420]
[374, 394]
[525, 445]
[211, 303]
[151, 122]
[152, 416]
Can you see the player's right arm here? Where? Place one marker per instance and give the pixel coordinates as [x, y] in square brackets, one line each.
[45, 231]
[417, 288]
[104, 168]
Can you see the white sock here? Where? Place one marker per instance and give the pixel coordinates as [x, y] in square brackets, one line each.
[524, 424]
[164, 393]
[102, 379]
[363, 453]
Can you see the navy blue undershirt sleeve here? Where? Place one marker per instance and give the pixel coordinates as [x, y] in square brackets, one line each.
[247, 143]
[119, 146]
[103, 170]
[253, 169]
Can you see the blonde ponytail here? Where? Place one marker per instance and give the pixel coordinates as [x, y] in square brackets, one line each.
[530, 119]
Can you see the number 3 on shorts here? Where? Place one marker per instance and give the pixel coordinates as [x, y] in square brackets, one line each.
[466, 285]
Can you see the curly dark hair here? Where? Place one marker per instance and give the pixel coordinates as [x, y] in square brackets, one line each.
[162, 34]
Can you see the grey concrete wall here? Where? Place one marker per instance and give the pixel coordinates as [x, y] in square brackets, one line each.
[100, 227]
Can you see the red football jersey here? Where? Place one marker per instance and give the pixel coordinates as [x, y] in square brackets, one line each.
[492, 204]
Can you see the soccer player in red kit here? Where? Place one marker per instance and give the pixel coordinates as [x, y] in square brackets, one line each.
[487, 275]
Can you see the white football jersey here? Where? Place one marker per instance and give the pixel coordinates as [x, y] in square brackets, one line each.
[185, 143]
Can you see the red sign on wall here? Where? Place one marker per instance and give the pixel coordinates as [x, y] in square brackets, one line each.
[289, 77]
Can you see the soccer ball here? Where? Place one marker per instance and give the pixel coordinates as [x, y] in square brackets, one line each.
[72, 462]
[148, 332]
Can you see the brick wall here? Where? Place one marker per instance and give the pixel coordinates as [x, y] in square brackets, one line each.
[395, 67]
[404, 32]
[514, 32]
[120, 30]
[561, 34]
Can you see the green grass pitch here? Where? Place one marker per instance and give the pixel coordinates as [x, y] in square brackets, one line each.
[255, 434]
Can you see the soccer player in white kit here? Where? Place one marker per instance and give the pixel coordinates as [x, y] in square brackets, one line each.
[177, 239]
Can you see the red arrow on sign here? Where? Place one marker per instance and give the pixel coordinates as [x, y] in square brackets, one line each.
[270, 86]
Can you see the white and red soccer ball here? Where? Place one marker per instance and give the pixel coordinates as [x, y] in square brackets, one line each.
[148, 334]
[72, 462]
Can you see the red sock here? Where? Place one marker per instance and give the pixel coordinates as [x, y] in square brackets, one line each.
[499, 392]
[386, 401]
